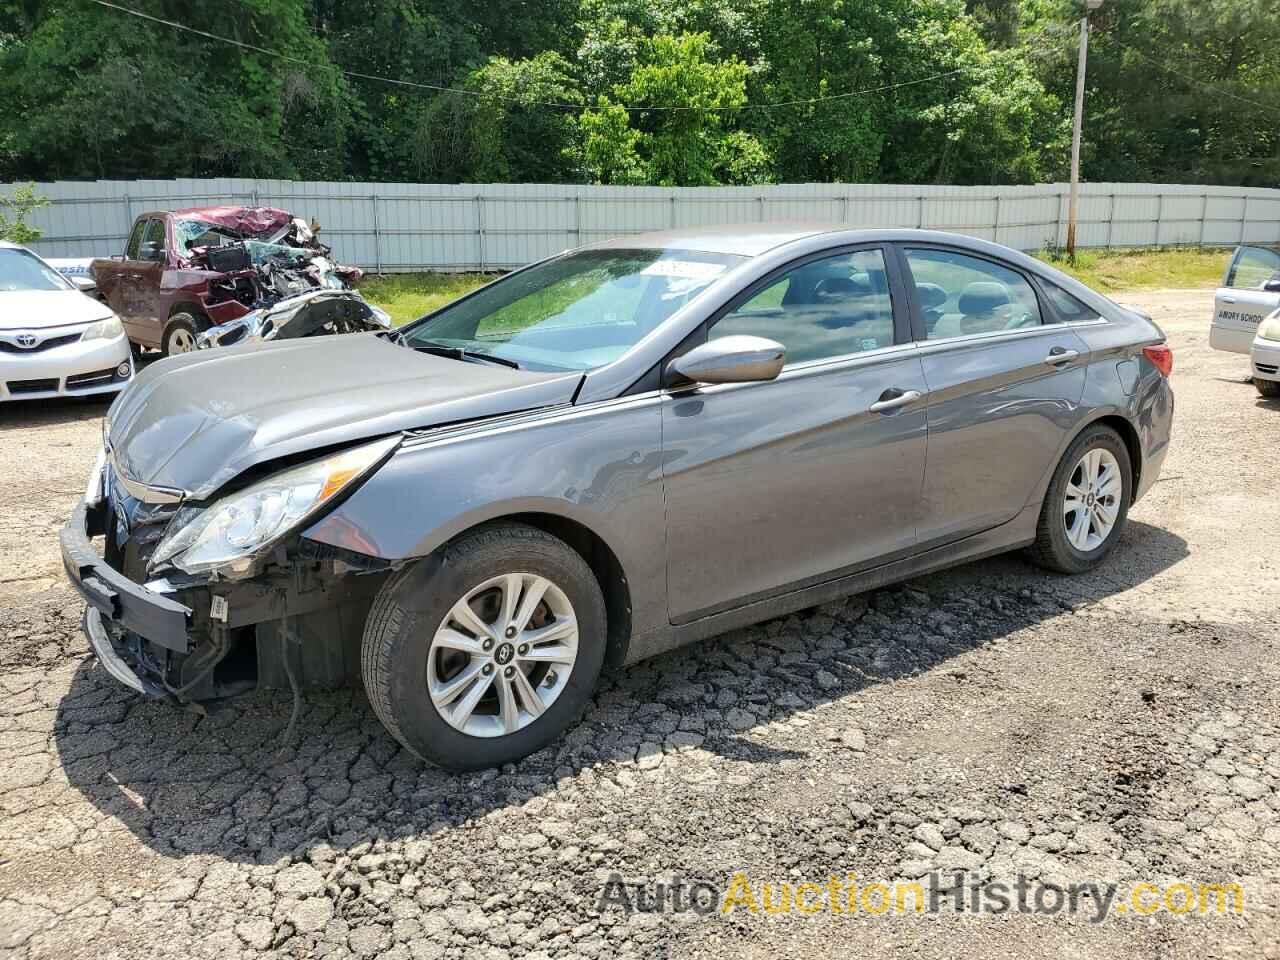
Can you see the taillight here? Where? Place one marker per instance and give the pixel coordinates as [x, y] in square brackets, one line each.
[1161, 357]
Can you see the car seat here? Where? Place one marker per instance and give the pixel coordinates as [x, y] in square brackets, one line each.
[932, 298]
[982, 306]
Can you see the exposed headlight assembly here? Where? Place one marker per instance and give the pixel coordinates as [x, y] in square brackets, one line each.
[226, 535]
[1269, 329]
[105, 329]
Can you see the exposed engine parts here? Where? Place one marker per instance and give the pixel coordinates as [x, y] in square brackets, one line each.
[314, 313]
[263, 254]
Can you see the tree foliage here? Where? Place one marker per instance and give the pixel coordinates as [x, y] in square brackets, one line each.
[942, 91]
[15, 207]
[677, 132]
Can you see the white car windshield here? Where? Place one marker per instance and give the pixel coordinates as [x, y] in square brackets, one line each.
[20, 270]
[576, 312]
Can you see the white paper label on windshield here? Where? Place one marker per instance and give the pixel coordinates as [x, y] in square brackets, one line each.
[685, 269]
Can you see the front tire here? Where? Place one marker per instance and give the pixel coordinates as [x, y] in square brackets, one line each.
[484, 653]
[1087, 504]
[1268, 389]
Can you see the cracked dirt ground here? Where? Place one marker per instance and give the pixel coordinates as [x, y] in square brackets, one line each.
[1121, 726]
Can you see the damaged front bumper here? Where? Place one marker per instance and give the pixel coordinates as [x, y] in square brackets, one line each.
[118, 608]
[202, 641]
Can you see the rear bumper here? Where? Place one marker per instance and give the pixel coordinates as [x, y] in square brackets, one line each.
[75, 370]
[1265, 359]
[1155, 434]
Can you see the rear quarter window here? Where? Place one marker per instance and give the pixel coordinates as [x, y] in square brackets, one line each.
[1067, 307]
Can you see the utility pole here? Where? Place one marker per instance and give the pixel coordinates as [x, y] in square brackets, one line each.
[1074, 207]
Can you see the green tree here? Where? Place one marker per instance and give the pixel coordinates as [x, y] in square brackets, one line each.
[90, 92]
[1177, 90]
[14, 210]
[691, 145]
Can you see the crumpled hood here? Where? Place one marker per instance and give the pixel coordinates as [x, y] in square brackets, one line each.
[195, 421]
[42, 309]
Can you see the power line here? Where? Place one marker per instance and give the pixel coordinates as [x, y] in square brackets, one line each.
[437, 88]
[1195, 80]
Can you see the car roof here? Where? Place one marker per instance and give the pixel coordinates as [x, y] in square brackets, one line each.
[754, 239]
[7, 245]
[736, 239]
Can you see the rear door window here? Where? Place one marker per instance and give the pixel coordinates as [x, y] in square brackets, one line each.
[960, 295]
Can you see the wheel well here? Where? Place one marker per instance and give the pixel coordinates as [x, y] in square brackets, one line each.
[604, 565]
[194, 309]
[1131, 442]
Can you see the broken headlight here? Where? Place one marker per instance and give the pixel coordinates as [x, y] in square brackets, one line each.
[225, 535]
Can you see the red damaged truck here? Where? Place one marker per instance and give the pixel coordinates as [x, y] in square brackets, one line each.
[184, 272]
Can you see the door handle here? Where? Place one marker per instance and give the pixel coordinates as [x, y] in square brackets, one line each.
[893, 399]
[1228, 299]
[1060, 355]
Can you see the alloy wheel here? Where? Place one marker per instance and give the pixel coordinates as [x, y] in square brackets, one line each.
[1091, 504]
[502, 655]
[181, 340]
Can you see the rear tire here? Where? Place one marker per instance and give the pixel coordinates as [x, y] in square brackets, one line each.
[180, 334]
[1087, 503]
[462, 690]
[1268, 389]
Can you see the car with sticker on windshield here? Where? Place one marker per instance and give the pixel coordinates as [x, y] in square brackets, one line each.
[55, 340]
[602, 456]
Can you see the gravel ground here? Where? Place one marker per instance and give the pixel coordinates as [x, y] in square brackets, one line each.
[1117, 727]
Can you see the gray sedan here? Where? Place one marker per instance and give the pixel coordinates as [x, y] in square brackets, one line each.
[600, 457]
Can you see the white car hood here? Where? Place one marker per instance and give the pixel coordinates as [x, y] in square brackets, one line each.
[42, 309]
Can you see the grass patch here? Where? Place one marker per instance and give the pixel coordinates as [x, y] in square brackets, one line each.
[1109, 271]
[407, 296]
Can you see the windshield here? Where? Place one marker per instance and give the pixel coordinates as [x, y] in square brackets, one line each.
[20, 270]
[198, 233]
[575, 312]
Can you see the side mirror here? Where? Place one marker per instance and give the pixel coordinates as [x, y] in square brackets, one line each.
[151, 251]
[1272, 285]
[732, 360]
[82, 283]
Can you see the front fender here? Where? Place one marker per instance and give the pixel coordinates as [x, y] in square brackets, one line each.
[599, 466]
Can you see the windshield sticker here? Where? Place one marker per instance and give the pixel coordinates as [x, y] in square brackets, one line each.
[684, 269]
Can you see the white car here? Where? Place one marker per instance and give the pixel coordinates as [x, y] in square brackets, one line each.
[55, 340]
[1264, 357]
[1249, 292]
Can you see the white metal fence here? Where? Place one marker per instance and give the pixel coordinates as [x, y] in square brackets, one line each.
[400, 226]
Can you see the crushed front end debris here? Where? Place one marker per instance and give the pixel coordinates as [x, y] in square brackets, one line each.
[265, 254]
[314, 313]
